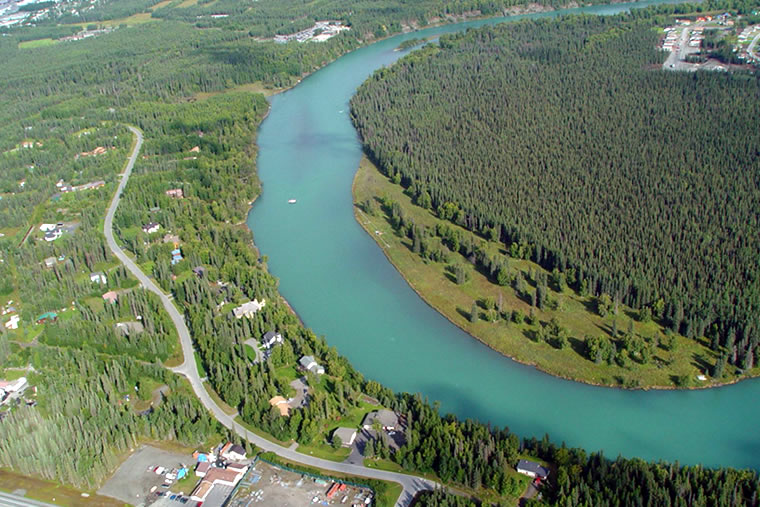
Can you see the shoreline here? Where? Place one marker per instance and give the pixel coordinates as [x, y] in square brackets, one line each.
[376, 239]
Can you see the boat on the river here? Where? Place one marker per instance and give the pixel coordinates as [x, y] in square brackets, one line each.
[291, 201]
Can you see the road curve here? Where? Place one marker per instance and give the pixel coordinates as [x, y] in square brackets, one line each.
[411, 484]
[751, 48]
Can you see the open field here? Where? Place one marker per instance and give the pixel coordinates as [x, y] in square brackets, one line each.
[686, 359]
[37, 43]
[48, 491]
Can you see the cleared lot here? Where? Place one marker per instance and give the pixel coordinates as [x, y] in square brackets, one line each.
[132, 481]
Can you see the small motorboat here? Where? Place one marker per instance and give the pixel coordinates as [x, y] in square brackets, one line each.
[291, 201]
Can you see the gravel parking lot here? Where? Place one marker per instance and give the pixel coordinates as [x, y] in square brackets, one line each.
[132, 482]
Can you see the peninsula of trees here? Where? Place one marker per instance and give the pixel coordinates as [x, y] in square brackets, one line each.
[564, 143]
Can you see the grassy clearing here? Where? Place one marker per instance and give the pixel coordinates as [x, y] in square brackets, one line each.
[39, 43]
[687, 359]
[325, 451]
[49, 491]
[256, 87]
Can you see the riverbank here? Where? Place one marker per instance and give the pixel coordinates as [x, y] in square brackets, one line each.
[676, 362]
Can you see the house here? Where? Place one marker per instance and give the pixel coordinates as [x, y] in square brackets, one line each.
[271, 339]
[176, 193]
[12, 389]
[532, 469]
[111, 296]
[50, 262]
[53, 235]
[13, 322]
[176, 256]
[308, 363]
[47, 227]
[199, 271]
[214, 476]
[346, 436]
[130, 328]
[151, 227]
[47, 317]
[232, 452]
[248, 309]
[387, 419]
[202, 468]
[195, 149]
[171, 238]
[98, 277]
[281, 404]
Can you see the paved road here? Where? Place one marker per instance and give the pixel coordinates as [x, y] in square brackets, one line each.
[411, 484]
[9, 500]
[751, 47]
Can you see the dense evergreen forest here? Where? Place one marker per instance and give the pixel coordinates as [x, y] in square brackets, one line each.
[564, 139]
[101, 389]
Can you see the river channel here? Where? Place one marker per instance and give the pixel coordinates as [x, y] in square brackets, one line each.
[342, 286]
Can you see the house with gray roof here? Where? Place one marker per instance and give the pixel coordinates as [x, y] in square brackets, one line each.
[387, 419]
[346, 436]
[532, 469]
[308, 363]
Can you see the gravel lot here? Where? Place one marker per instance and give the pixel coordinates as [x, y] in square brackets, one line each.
[131, 482]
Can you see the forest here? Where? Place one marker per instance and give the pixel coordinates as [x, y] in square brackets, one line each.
[95, 383]
[561, 140]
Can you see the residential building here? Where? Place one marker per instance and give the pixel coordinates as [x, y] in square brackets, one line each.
[13, 322]
[151, 227]
[98, 277]
[271, 339]
[202, 468]
[532, 469]
[12, 389]
[130, 328]
[346, 436]
[281, 404]
[47, 227]
[199, 271]
[50, 262]
[232, 452]
[176, 193]
[248, 309]
[53, 235]
[176, 256]
[387, 419]
[47, 317]
[111, 296]
[308, 363]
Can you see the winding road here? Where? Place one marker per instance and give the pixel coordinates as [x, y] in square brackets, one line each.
[411, 484]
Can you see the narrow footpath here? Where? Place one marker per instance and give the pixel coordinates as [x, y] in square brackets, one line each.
[411, 484]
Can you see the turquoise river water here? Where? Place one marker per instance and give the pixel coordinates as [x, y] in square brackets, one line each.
[342, 286]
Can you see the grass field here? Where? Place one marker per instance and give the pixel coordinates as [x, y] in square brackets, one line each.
[49, 491]
[687, 359]
[39, 43]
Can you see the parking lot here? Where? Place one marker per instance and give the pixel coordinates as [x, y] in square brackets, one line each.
[132, 482]
[265, 484]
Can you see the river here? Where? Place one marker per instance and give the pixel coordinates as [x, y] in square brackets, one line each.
[342, 286]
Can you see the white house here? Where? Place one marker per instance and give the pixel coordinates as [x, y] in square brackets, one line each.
[151, 227]
[47, 227]
[232, 452]
[13, 323]
[98, 277]
[53, 235]
[270, 339]
[310, 364]
[532, 469]
[248, 309]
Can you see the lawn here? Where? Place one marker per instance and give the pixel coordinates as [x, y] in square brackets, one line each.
[325, 451]
[576, 313]
[39, 43]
